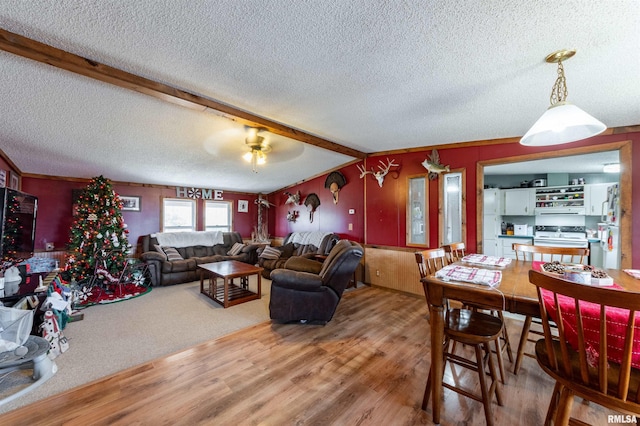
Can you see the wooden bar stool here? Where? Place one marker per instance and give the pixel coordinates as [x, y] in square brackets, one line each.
[455, 252]
[530, 253]
[469, 327]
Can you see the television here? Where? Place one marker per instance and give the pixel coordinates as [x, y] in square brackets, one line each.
[17, 224]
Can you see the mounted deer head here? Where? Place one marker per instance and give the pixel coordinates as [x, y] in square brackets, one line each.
[381, 173]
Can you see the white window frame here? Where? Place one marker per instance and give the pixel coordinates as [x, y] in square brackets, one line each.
[184, 228]
[219, 227]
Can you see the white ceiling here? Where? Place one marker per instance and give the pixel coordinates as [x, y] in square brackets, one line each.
[369, 75]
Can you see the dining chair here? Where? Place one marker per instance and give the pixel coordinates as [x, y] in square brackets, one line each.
[469, 327]
[455, 252]
[531, 253]
[595, 354]
[429, 262]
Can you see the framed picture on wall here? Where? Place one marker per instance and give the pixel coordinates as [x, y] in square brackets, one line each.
[14, 183]
[243, 206]
[130, 203]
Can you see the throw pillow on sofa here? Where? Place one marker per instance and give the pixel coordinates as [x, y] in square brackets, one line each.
[236, 249]
[270, 253]
[172, 254]
[159, 250]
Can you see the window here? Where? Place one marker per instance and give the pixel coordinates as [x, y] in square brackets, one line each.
[178, 215]
[417, 211]
[218, 216]
[452, 218]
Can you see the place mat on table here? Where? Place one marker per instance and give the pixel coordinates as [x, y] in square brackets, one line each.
[635, 273]
[483, 259]
[470, 275]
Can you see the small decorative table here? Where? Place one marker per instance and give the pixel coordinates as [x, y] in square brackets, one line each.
[229, 294]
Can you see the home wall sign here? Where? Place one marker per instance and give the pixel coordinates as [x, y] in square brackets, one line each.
[205, 194]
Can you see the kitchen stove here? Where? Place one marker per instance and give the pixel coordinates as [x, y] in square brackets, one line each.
[560, 236]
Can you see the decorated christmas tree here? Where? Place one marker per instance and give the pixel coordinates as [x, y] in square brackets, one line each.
[98, 232]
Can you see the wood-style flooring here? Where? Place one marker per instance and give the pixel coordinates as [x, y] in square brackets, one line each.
[368, 366]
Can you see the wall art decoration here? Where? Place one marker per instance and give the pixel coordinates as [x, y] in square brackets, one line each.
[131, 203]
[14, 183]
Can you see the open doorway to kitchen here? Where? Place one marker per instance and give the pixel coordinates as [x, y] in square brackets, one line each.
[486, 178]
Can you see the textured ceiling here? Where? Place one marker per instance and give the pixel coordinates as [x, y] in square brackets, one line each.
[369, 75]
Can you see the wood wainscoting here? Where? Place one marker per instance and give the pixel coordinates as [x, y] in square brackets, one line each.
[393, 268]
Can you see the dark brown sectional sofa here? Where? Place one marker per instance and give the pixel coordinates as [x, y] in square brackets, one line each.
[164, 272]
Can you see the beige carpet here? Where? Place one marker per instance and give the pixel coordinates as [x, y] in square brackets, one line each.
[120, 335]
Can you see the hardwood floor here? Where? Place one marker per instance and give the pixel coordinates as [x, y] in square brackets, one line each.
[368, 365]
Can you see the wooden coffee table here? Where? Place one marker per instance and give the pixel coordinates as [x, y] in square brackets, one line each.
[229, 294]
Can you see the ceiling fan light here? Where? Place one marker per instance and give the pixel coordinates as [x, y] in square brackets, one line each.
[258, 149]
[562, 123]
[252, 135]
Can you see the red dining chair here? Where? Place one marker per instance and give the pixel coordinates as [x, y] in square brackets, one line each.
[531, 253]
[469, 327]
[596, 354]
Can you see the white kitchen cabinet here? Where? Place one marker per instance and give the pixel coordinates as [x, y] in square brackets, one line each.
[491, 221]
[506, 245]
[518, 202]
[490, 247]
[595, 196]
[490, 232]
[492, 203]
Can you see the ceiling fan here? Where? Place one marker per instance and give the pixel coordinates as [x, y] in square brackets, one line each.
[259, 147]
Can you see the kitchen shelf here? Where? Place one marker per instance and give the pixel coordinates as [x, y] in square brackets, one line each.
[560, 196]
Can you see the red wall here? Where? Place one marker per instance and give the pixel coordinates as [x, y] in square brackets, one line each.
[386, 206]
[384, 220]
[55, 203]
[328, 216]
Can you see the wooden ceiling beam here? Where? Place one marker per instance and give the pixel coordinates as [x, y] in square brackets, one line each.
[35, 50]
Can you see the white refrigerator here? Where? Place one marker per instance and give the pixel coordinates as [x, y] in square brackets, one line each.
[609, 230]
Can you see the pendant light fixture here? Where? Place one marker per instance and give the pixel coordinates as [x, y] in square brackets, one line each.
[259, 149]
[562, 122]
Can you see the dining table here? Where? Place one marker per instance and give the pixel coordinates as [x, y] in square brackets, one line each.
[513, 294]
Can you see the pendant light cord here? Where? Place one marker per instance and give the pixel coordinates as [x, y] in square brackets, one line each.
[559, 91]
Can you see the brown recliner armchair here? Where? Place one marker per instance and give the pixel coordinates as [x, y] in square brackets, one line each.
[289, 249]
[307, 297]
